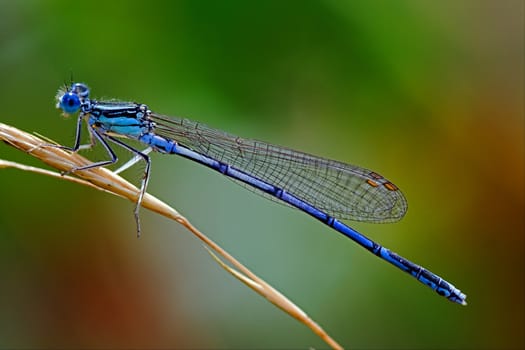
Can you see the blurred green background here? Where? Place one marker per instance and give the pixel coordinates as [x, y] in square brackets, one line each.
[427, 93]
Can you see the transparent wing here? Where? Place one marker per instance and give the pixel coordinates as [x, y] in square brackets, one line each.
[341, 190]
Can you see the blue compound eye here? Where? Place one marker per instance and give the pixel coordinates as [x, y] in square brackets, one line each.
[70, 103]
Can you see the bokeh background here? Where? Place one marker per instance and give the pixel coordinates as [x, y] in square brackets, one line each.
[427, 93]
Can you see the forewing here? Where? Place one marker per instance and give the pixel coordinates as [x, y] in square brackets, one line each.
[341, 190]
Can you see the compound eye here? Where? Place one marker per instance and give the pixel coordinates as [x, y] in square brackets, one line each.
[70, 103]
[80, 89]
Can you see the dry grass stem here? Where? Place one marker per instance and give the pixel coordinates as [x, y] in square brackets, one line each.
[107, 181]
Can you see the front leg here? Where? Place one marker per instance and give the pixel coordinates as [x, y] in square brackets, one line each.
[89, 145]
[77, 146]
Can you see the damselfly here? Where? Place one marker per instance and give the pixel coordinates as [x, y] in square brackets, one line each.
[325, 189]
